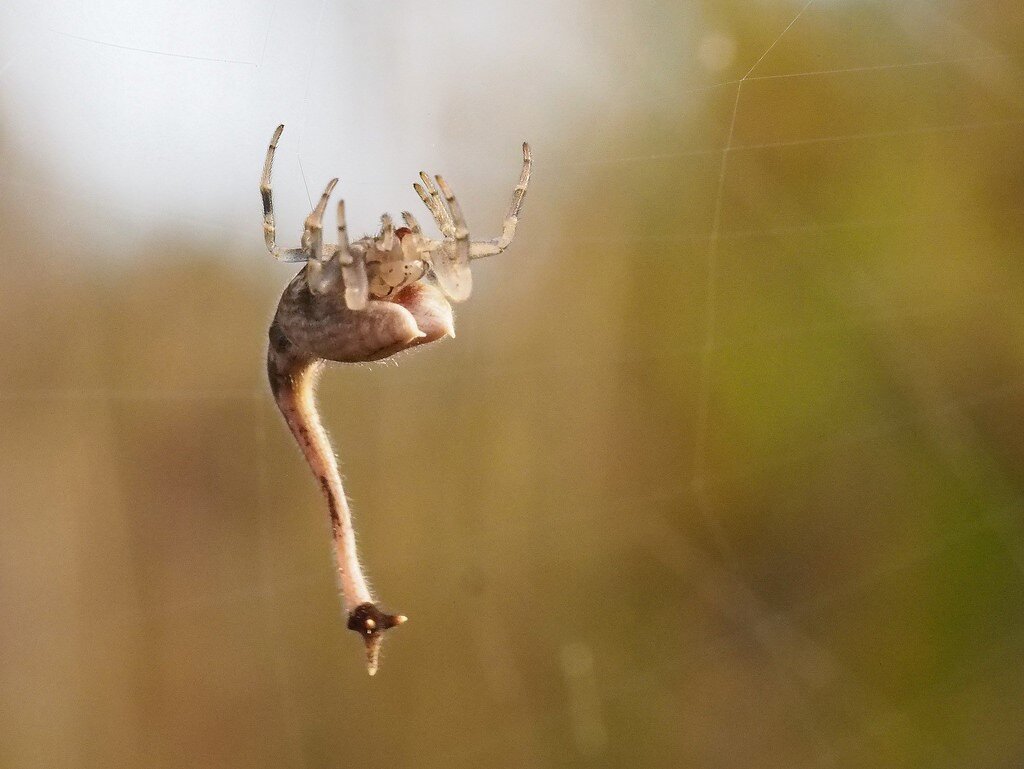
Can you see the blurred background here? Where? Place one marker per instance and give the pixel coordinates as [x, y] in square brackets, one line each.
[723, 468]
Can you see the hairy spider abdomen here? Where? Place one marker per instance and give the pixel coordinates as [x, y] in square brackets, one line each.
[322, 326]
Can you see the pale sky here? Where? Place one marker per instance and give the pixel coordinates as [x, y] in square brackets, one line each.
[156, 114]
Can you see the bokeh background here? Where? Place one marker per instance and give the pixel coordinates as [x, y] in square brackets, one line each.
[723, 468]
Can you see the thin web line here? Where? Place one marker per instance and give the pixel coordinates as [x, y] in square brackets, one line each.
[105, 44]
[305, 184]
[869, 430]
[89, 394]
[779, 38]
[787, 76]
[882, 134]
[832, 138]
[796, 229]
[848, 70]
[884, 67]
[711, 322]
[266, 38]
[710, 329]
[305, 96]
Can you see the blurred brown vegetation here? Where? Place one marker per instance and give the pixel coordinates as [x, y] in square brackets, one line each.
[641, 514]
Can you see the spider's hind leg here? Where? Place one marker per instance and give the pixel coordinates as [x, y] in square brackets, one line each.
[428, 194]
[508, 228]
[451, 260]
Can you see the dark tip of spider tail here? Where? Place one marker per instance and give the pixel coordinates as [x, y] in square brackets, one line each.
[371, 622]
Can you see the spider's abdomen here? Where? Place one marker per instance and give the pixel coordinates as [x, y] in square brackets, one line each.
[322, 326]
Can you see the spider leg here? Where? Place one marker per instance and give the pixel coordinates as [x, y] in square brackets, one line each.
[342, 250]
[313, 234]
[451, 262]
[318, 269]
[353, 265]
[269, 233]
[414, 248]
[460, 232]
[419, 243]
[386, 240]
[508, 229]
[412, 224]
[433, 202]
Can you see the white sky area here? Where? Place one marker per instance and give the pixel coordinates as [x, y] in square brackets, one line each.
[157, 113]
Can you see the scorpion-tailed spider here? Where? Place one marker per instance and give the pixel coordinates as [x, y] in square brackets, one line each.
[365, 301]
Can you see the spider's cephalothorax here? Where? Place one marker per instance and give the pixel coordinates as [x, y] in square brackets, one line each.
[362, 301]
[373, 267]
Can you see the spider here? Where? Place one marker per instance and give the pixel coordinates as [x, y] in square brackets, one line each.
[364, 301]
[378, 267]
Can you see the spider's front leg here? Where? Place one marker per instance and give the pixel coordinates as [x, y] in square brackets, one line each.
[267, 194]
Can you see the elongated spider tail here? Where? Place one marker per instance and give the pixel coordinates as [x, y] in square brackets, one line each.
[292, 377]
